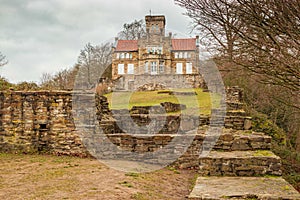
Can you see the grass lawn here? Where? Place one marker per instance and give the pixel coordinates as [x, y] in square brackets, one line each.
[196, 104]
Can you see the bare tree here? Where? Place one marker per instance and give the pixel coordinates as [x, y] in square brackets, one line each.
[93, 61]
[214, 19]
[46, 81]
[270, 45]
[133, 30]
[264, 36]
[62, 80]
[3, 60]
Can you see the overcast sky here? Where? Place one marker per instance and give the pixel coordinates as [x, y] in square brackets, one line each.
[40, 36]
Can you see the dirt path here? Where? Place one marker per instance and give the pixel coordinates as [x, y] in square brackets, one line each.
[50, 177]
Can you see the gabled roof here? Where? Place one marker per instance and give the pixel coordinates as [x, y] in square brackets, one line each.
[127, 45]
[188, 44]
[184, 44]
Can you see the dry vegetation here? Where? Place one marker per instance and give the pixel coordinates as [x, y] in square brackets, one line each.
[51, 177]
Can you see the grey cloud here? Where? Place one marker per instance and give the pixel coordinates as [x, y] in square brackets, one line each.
[46, 36]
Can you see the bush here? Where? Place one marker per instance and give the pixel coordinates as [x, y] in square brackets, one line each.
[261, 123]
[24, 86]
[4, 84]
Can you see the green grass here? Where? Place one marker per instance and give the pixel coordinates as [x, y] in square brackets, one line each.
[196, 104]
[173, 169]
[132, 174]
[262, 153]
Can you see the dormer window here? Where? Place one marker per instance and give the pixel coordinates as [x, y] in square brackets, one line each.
[185, 55]
[124, 55]
[180, 55]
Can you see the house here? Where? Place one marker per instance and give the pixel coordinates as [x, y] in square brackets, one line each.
[155, 58]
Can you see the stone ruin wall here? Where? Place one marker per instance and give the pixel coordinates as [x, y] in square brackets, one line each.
[42, 121]
[38, 122]
[166, 80]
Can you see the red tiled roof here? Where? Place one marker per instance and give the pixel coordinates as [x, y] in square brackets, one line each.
[127, 45]
[177, 45]
[184, 44]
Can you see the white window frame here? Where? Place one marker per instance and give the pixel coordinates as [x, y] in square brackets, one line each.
[176, 55]
[179, 69]
[118, 56]
[121, 69]
[161, 67]
[180, 55]
[189, 68]
[146, 67]
[127, 55]
[130, 69]
[154, 50]
[122, 55]
[185, 55]
[153, 67]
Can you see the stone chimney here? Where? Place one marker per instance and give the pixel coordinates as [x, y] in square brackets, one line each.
[197, 41]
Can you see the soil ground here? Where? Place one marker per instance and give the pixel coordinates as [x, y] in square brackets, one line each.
[52, 177]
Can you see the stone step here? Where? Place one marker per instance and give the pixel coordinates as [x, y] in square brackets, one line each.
[259, 188]
[239, 113]
[232, 140]
[229, 140]
[231, 105]
[240, 163]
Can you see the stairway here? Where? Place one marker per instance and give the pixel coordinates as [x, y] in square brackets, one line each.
[241, 166]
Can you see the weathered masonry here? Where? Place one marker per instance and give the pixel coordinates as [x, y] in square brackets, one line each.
[43, 121]
[236, 168]
[38, 121]
[156, 57]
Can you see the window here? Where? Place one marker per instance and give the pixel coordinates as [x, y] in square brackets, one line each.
[130, 55]
[185, 55]
[127, 55]
[120, 68]
[146, 67]
[189, 68]
[130, 69]
[155, 50]
[178, 68]
[161, 67]
[153, 68]
[189, 55]
[118, 55]
[155, 28]
[122, 55]
[176, 55]
[180, 55]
